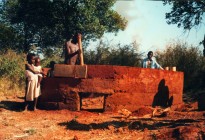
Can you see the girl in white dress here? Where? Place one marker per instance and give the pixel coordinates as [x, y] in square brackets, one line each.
[32, 90]
[38, 68]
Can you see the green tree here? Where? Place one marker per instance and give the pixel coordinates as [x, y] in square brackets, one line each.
[186, 14]
[189, 60]
[9, 39]
[126, 55]
[106, 54]
[50, 22]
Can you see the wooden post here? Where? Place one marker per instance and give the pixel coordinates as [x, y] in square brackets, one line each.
[81, 49]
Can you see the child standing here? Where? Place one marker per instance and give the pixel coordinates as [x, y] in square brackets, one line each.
[38, 68]
[32, 90]
[51, 70]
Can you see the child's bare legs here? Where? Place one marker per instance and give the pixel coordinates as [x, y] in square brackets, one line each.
[26, 106]
[35, 103]
[38, 86]
[39, 81]
[25, 102]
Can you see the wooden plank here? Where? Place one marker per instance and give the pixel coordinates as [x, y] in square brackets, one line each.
[75, 71]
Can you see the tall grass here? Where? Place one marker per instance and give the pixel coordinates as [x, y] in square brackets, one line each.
[12, 80]
[12, 72]
[189, 60]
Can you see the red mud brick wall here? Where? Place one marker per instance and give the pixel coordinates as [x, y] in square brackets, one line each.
[126, 87]
[134, 87]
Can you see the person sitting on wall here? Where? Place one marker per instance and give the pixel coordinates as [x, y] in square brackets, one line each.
[150, 62]
[72, 50]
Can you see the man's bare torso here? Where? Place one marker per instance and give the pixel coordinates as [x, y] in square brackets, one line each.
[71, 48]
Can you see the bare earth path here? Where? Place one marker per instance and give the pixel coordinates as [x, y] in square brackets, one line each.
[15, 124]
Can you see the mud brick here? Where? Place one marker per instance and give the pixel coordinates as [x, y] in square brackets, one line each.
[100, 71]
[93, 103]
[70, 106]
[45, 71]
[76, 71]
[72, 101]
[123, 87]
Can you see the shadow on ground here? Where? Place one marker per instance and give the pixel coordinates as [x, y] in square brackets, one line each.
[12, 105]
[133, 125]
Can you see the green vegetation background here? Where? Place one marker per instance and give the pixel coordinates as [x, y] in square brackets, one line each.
[187, 59]
[43, 26]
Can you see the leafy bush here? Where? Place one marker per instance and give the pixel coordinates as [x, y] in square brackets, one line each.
[189, 60]
[46, 61]
[126, 55]
[12, 72]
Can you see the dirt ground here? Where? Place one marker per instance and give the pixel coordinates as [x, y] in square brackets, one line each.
[183, 122]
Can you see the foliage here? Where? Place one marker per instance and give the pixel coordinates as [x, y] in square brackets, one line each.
[189, 14]
[189, 60]
[54, 57]
[12, 72]
[126, 55]
[12, 64]
[9, 39]
[49, 22]
[185, 13]
[186, 58]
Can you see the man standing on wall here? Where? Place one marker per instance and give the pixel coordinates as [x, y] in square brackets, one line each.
[72, 50]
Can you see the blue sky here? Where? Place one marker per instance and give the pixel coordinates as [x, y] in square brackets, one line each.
[147, 26]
